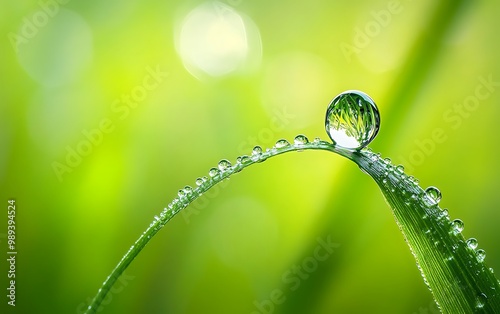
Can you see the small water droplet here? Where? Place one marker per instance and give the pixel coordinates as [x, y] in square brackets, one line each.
[300, 140]
[472, 243]
[199, 181]
[387, 161]
[481, 300]
[281, 143]
[317, 140]
[481, 255]
[213, 172]
[457, 226]
[352, 120]
[188, 190]
[444, 213]
[157, 218]
[257, 150]
[400, 169]
[375, 157]
[224, 165]
[245, 160]
[181, 193]
[432, 196]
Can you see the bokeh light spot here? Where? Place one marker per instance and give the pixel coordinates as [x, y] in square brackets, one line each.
[215, 39]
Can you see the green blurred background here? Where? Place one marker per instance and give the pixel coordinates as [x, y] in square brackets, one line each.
[109, 108]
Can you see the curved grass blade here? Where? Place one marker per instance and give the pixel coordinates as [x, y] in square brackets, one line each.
[454, 272]
[451, 267]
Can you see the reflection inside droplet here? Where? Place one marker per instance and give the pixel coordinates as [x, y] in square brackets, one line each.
[352, 120]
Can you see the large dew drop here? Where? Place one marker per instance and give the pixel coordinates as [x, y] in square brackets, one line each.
[352, 120]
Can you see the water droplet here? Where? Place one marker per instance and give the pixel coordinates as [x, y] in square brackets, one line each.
[387, 161]
[224, 165]
[352, 120]
[199, 181]
[432, 196]
[481, 255]
[400, 169]
[188, 190]
[281, 143]
[444, 213]
[472, 243]
[457, 226]
[317, 140]
[257, 150]
[213, 172]
[181, 193]
[157, 218]
[300, 140]
[245, 160]
[481, 300]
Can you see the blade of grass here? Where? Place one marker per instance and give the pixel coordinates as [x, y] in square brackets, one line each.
[453, 270]
[215, 176]
[457, 277]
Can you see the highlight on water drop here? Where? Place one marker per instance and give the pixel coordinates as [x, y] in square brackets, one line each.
[400, 169]
[257, 150]
[352, 120]
[472, 243]
[281, 143]
[213, 172]
[224, 165]
[480, 255]
[457, 226]
[481, 300]
[432, 196]
[300, 140]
